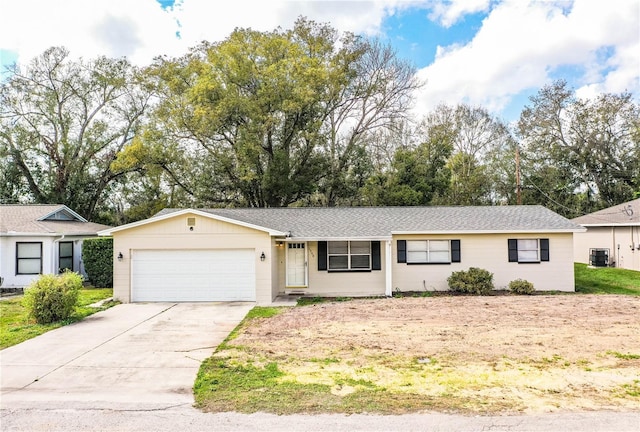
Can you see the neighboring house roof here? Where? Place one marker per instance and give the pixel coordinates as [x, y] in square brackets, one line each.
[45, 219]
[625, 214]
[383, 222]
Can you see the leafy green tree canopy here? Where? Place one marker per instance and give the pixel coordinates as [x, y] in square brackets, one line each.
[62, 123]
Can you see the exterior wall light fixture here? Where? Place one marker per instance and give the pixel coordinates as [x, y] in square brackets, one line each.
[120, 256]
[262, 256]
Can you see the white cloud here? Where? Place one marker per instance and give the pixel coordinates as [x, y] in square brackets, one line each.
[137, 29]
[518, 47]
[520, 44]
[141, 29]
[450, 11]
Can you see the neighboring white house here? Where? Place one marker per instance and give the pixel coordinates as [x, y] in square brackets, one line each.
[41, 239]
[260, 253]
[612, 237]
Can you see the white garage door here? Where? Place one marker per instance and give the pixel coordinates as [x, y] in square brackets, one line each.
[193, 275]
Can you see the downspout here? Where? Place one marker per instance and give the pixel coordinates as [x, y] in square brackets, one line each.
[388, 291]
[54, 254]
[616, 247]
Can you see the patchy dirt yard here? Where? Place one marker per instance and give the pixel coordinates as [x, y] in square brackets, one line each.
[464, 354]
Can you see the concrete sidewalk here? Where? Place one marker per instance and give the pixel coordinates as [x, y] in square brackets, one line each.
[132, 355]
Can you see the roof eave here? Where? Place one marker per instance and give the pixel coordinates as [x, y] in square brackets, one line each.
[333, 238]
[46, 234]
[110, 231]
[520, 231]
[611, 224]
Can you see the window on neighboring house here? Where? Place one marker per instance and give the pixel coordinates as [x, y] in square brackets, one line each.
[65, 256]
[28, 258]
[428, 251]
[345, 255]
[528, 250]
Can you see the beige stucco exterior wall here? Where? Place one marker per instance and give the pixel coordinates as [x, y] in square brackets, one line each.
[335, 284]
[174, 234]
[609, 238]
[490, 252]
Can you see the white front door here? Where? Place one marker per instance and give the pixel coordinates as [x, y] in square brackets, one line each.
[296, 264]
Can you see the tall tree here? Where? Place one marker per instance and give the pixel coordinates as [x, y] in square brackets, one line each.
[594, 142]
[62, 123]
[417, 173]
[279, 117]
[253, 107]
[377, 96]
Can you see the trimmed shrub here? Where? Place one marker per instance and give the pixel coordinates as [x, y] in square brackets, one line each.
[473, 281]
[521, 286]
[97, 255]
[52, 298]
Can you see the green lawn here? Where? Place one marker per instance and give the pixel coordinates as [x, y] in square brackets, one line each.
[604, 280]
[250, 373]
[16, 326]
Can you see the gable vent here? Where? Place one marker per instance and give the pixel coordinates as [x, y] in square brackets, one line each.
[191, 221]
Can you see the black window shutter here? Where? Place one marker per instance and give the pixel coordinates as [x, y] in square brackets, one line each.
[544, 249]
[322, 255]
[455, 251]
[513, 250]
[376, 263]
[402, 251]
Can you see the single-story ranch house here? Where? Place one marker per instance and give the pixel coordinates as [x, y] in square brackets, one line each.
[41, 239]
[611, 238]
[257, 254]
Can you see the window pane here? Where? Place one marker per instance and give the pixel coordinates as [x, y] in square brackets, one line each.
[338, 247]
[415, 245]
[416, 256]
[29, 250]
[338, 262]
[439, 245]
[66, 249]
[528, 244]
[360, 247]
[439, 256]
[66, 263]
[360, 261]
[28, 266]
[528, 255]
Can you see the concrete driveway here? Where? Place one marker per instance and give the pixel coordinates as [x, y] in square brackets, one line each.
[132, 356]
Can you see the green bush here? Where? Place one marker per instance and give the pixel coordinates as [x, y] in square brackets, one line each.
[52, 298]
[97, 255]
[473, 281]
[521, 286]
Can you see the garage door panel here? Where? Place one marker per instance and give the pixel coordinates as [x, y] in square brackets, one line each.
[193, 275]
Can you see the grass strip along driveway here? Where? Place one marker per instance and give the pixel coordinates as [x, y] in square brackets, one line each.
[16, 326]
[495, 354]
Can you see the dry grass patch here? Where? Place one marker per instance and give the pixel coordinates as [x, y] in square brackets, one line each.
[452, 354]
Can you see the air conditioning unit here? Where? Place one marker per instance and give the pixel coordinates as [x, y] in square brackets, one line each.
[599, 257]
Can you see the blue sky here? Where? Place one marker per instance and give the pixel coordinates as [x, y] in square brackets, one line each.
[493, 53]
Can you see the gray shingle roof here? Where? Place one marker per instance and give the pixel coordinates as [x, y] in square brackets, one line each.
[627, 213]
[21, 219]
[380, 222]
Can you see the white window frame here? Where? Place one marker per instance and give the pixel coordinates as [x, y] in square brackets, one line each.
[415, 247]
[522, 249]
[349, 255]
